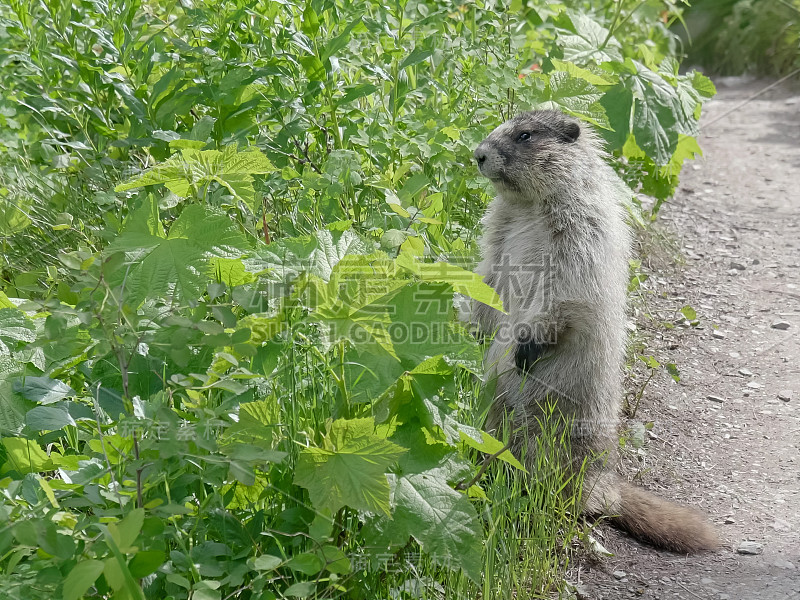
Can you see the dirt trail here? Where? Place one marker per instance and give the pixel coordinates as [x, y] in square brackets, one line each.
[725, 438]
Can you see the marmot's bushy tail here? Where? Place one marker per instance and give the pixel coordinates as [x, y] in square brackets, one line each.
[662, 523]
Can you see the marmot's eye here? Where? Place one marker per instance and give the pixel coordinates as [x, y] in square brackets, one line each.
[524, 136]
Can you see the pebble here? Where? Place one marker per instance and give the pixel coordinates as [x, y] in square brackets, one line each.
[785, 395]
[714, 398]
[720, 335]
[755, 385]
[782, 325]
[619, 574]
[750, 548]
[738, 266]
[745, 372]
[706, 580]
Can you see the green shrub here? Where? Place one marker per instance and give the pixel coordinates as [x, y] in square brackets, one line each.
[229, 366]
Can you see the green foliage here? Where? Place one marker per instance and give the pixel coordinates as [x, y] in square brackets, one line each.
[732, 37]
[233, 234]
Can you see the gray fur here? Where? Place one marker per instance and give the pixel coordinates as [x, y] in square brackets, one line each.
[556, 248]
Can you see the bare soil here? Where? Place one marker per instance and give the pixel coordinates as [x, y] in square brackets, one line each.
[725, 439]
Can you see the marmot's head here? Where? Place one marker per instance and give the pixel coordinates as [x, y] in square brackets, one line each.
[532, 154]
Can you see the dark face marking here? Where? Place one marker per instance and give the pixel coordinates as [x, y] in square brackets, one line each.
[512, 154]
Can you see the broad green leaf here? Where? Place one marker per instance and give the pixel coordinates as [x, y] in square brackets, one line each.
[191, 169]
[464, 282]
[24, 456]
[5, 302]
[145, 562]
[587, 43]
[574, 95]
[334, 560]
[43, 390]
[81, 578]
[350, 468]
[596, 76]
[179, 265]
[127, 530]
[12, 406]
[303, 589]
[266, 562]
[442, 520]
[306, 563]
[15, 327]
[655, 114]
[48, 418]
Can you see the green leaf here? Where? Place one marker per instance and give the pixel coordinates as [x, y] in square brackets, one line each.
[179, 265]
[464, 282]
[48, 418]
[587, 43]
[24, 456]
[334, 560]
[125, 532]
[655, 114]
[574, 95]
[596, 77]
[146, 562]
[15, 327]
[350, 468]
[81, 578]
[703, 85]
[191, 169]
[266, 562]
[43, 390]
[417, 56]
[688, 312]
[490, 445]
[303, 589]
[442, 520]
[306, 563]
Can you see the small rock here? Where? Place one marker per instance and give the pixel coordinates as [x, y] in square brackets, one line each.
[750, 548]
[745, 372]
[738, 266]
[714, 398]
[729, 521]
[784, 564]
[755, 385]
[619, 574]
[785, 395]
[706, 580]
[782, 325]
[720, 335]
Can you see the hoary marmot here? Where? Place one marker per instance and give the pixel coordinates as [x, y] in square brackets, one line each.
[556, 247]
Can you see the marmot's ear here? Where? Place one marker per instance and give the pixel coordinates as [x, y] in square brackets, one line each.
[572, 131]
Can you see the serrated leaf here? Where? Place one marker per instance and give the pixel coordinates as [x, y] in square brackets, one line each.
[179, 265]
[464, 282]
[442, 520]
[350, 469]
[587, 44]
[191, 169]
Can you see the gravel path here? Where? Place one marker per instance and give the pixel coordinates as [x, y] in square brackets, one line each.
[726, 439]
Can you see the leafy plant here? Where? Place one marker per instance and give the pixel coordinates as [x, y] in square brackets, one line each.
[233, 234]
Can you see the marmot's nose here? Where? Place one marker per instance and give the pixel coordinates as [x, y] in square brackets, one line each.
[480, 155]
